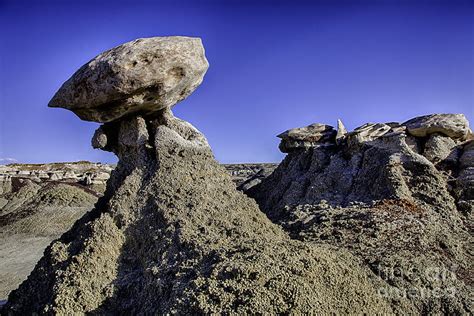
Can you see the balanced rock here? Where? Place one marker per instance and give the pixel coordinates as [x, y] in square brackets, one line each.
[139, 77]
[307, 137]
[452, 125]
[172, 235]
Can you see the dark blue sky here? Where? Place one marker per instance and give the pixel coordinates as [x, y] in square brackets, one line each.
[273, 66]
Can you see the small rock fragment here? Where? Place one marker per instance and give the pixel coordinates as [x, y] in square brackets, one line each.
[341, 130]
[99, 140]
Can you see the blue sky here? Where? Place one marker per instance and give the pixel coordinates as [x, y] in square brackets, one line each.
[273, 66]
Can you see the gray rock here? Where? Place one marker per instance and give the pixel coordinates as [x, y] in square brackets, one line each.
[366, 133]
[465, 182]
[242, 173]
[395, 129]
[307, 137]
[87, 180]
[99, 140]
[452, 125]
[414, 143]
[439, 148]
[181, 133]
[465, 179]
[133, 132]
[255, 179]
[142, 76]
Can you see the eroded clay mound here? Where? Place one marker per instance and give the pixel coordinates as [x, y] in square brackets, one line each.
[172, 235]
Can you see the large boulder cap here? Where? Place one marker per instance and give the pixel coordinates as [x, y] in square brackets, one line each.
[139, 77]
[451, 125]
[306, 137]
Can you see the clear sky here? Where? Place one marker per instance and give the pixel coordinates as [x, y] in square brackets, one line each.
[273, 66]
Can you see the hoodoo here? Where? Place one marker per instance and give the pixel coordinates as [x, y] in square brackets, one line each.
[172, 235]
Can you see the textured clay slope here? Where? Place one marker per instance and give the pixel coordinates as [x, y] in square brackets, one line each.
[30, 218]
[172, 235]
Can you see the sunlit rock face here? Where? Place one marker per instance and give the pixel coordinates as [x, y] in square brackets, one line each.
[139, 77]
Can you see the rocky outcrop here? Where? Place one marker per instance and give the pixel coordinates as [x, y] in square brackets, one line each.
[162, 240]
[397, 196]
[464, 182]
[368, 132]
[307, 137]
[93, 175]
[256, 178]
[142, 76]
[172, 235]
